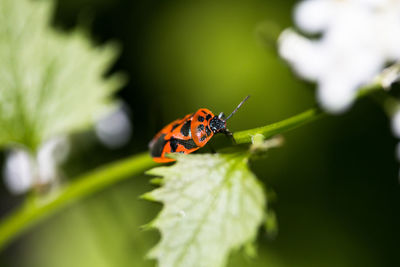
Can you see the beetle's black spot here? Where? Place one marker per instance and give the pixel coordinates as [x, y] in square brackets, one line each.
[200, 118]
[156, 146]
[200, 127]
[208, 117]
[203, 137]
[173, 142]
[188, 144]
[185, 130]
[204, 112]
[208, 131]
[174, 126]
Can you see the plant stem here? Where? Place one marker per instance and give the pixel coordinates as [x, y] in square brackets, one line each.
[38, 208]
[279, 127]
[297, 120]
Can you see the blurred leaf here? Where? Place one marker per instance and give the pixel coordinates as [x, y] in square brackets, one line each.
[50, 83]
[212, 204]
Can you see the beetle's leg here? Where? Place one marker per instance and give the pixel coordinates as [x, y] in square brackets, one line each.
[230, 135]
[212, 149]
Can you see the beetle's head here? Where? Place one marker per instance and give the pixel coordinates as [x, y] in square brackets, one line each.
[218, 123]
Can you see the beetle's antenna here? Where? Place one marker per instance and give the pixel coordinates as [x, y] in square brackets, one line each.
[240, 104]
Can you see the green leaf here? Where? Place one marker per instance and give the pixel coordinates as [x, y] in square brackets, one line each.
[213, 204]
[51, 82]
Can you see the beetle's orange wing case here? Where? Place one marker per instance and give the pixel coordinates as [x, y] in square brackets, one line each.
[175, 137]
[200, 129]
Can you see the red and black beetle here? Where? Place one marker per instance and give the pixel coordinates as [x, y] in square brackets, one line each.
[188, 134]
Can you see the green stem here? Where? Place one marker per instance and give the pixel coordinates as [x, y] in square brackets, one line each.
[295, 121]
[38, 208]
[279, 127]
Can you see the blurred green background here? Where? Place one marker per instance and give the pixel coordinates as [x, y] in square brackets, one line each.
[336, 180]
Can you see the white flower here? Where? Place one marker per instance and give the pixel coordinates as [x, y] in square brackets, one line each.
[357, 38]
[115, 129]
[396, 131]
[22, 171]
[396, 124]
[19, 172]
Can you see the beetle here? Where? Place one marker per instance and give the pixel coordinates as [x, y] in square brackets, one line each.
[188, 134]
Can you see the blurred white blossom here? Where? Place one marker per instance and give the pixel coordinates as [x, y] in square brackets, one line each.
[396, 130]
[18, 171]
[114, 130]
[389, 76]
[396, 124]
[358, 37]
[22, 170]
